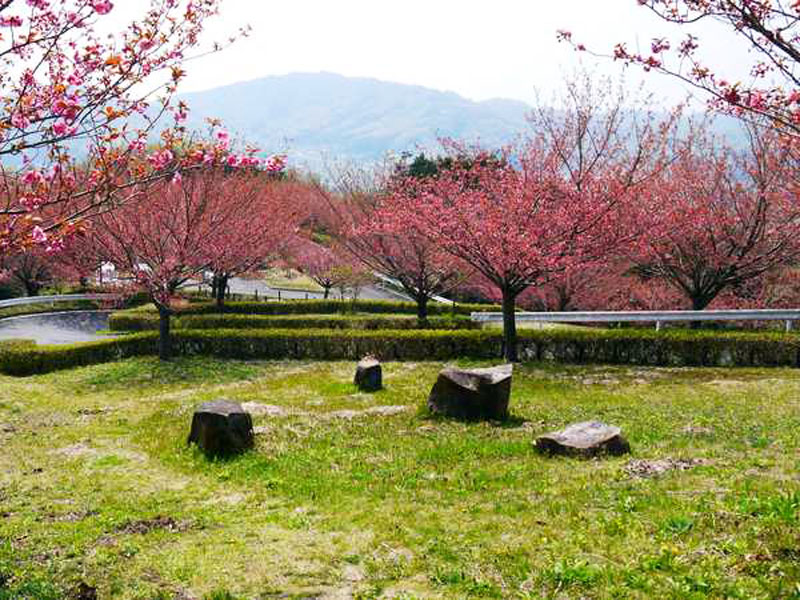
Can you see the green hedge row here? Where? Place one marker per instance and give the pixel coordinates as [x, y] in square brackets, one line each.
[148, 321]
[325, 307]
[678, 348]
[24, 357]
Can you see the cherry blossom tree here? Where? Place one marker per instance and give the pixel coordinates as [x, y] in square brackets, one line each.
[29, 270]
[259, 221]
[777, 289]
[516, 225]
[567, 291]
[317, 262]
[421, 268]
[171, 233]
[722, 219]
[68, 82]
[553, 205]
[351, 278]
[79, 260]
[612, 284]
[769, 29]
[159, 241]
[367, 228]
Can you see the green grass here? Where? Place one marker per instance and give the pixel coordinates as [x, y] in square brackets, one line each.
[97, 485]
[280, 279]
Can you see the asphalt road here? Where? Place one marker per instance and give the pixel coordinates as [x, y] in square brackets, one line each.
[56, 328]
[249, 286]
[82, 326]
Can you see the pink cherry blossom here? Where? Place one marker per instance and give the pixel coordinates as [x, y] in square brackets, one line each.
[102, 7]
[161, 158]
[61, 128]
[68, 83]
[38, 235]
[33, 177]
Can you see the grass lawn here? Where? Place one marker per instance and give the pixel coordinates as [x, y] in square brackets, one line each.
[342, 499]
[290, 280]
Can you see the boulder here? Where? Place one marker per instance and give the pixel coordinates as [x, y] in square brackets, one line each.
[584, 439]
[221, 428]
[472, 394]
[369, 376]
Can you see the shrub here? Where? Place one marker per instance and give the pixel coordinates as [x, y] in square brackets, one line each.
[139, 299]
[24, 357]
[320, 307]
[678, 348]
[328, 344]
[147, 321]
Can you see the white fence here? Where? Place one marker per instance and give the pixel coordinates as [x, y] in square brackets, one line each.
[52, 300]
[788, 316]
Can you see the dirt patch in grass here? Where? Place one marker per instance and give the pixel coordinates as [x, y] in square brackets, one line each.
[641, 468]
[600, 381]
[267, 410]
[70, 517]
[272, 411]
[76, 451]
[159, 523]
[697, 430]
[84, 591]
[86, 412]
[379, 411]
[83, 450]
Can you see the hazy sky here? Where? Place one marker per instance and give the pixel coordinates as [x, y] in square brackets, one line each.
[486, 49]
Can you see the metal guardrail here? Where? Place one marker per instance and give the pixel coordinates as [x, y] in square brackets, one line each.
[648, 316]
[54, 299]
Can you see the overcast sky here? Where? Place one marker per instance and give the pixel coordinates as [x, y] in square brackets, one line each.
[479, 49]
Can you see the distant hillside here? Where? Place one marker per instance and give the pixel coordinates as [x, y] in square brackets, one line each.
[319, 116]
[325, 114]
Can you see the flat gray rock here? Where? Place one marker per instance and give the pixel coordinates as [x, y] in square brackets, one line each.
[221, 428]
[472, 394]
[587, 439]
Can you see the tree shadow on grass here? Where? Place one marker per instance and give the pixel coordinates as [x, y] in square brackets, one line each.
[511, 422]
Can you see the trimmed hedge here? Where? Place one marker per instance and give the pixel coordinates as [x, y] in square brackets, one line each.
[25, 357]
[674, 348]
[148, 321]
[326, 307]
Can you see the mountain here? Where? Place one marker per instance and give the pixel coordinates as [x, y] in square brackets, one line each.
[321, 117]
[318, 115]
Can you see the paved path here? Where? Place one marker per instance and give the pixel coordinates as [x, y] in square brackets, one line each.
[249, 286]
[56, 328]
[82, 326]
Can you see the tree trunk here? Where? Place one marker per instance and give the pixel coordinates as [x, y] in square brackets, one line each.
[422, 308]
[214, 287]
[698, 303]
[222, 285]
[31, 288]
[509, 326]
[326, 292]
[164, 340]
